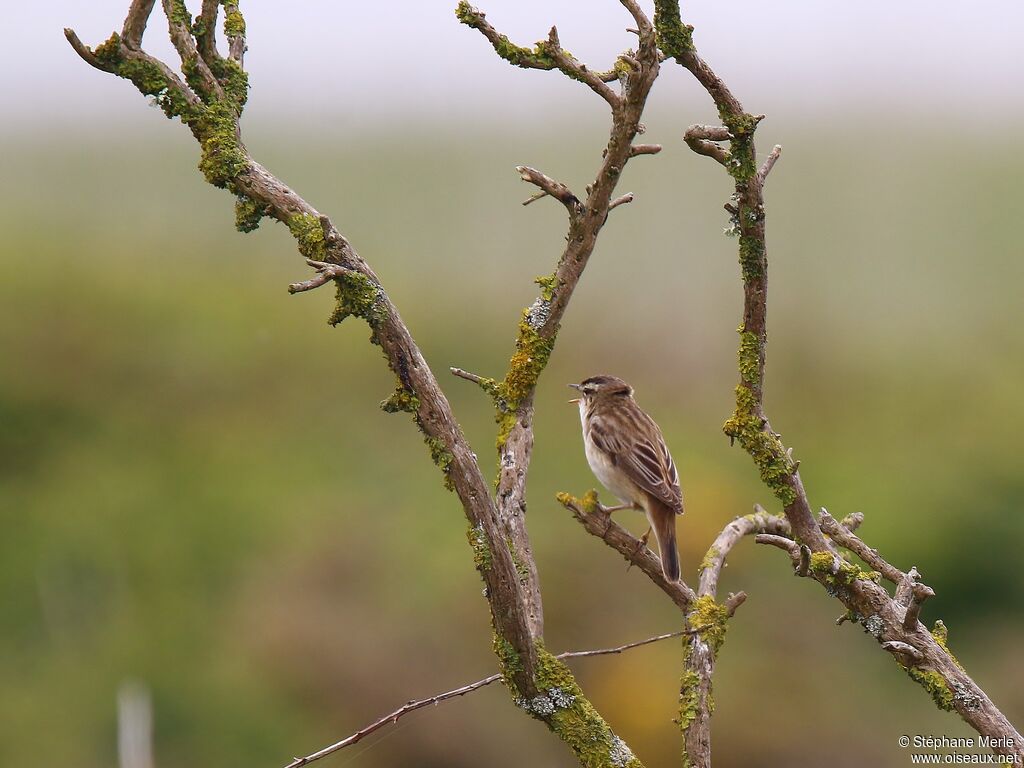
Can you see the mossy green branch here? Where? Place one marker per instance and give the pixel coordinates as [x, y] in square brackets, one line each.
[517, 55]
[560, 703]
[689, 702]
[562, 706]
[179, 13]
[708, 560]
[941, 635]
[749, 357]
[234, 23]
[587, 505]
[935, 685]
[481, 552]
[524, 369]
[548, 284]
[748, 427]
[248, 214]
[710, 619]
[213, 122]
[675, 39]
[309, 233]
[401, 400]
[442, 458]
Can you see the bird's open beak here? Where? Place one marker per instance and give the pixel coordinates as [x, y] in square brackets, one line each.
[576, 387]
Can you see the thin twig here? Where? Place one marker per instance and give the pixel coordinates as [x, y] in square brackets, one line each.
[783, 543]
[904, 589]
[846, 538]
[898, 647]
[549, 186]
[325, 272]
[412, 706]
[852, 521]
[919, 593]
[135, 22]
[644, 149]
[804, 566]
[85, 51]
[626, 198]
[769, 163]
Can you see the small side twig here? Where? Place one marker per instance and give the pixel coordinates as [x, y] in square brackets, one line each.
[786, 545]
[626, 198]
[769, 163]
[918, 594]
[325, 273]
[804, 566]
[852, 521]
[899, 648]
[487, 384]
[85, 51]
[904, 589]
[644, 149]
[549, 186]
[734, 601]
[844, 537]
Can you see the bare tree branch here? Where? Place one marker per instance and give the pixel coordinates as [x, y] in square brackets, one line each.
[135, 22]
[598, 523]
[769, 163]
[760, 522]
[845, 538]
[549, 186]
[626, 198]
[644, 149]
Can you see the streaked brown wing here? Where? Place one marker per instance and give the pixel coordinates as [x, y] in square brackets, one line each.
[636, 446]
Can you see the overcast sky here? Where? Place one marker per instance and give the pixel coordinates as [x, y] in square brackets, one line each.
[411, 59]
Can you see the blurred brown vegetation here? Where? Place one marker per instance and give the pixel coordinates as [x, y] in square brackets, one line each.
[197, 489]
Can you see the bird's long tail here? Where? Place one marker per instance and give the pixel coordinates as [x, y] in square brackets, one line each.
[663, 522]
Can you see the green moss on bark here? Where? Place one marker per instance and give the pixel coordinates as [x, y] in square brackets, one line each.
[767, 451]
[935, 685]
[675, 39]
[587, 504]
[248, 214]
[711, 619]
[571, 716]
[481, 552]
[234, 23]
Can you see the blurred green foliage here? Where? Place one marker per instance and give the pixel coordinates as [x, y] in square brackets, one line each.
[197, 489]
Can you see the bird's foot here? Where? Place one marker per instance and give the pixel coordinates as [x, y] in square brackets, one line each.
[641, 545]
[608, 510]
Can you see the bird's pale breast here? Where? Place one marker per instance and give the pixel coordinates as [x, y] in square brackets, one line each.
[611, 477]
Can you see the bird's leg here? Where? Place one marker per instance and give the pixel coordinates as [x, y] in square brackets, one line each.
[640, 546]
[618, 508]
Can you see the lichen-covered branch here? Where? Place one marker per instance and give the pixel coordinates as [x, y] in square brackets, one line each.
[211, 109]
[749, 422]
[538, 328]
[894, 623]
